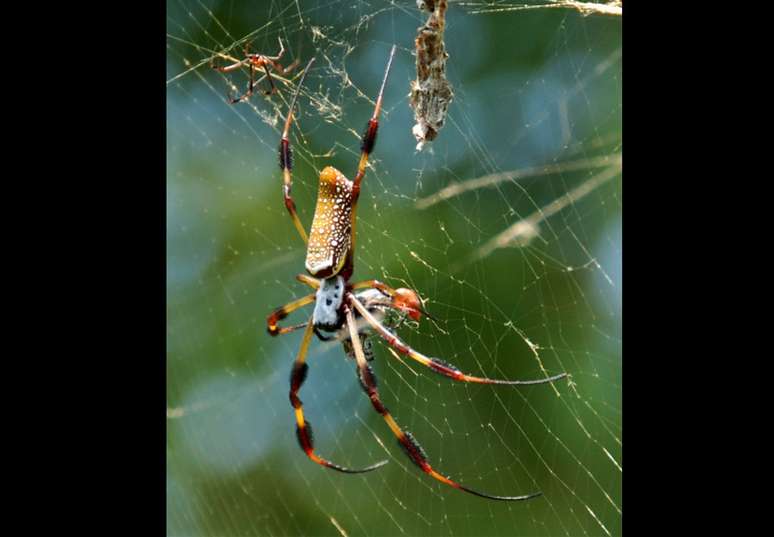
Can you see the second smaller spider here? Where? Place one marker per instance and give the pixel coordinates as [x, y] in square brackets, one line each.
[257, 61]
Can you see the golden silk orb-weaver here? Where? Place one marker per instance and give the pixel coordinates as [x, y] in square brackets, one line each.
[347, 310]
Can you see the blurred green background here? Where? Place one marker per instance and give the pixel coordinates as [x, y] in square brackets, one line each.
[533, 89]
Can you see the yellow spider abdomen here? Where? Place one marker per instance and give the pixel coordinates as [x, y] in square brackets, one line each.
[331, 234]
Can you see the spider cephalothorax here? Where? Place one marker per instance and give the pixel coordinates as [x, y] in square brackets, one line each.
[329, 298]
[347, 311]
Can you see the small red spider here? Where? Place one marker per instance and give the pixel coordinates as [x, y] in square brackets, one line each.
[346, 314]
[258, 61]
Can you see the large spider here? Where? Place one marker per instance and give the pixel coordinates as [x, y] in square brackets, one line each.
[346, 314]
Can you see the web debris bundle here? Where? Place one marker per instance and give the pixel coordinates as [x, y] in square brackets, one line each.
[431, 93]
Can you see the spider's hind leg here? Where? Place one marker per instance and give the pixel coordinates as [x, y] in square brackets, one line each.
[303, 428]
[286, 161]
[406, 440]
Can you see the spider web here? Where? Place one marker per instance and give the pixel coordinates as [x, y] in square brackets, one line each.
[509, 224]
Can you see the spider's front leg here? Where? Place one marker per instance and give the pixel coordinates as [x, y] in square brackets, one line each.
[369, 136]
[286, 161]
[406, 440]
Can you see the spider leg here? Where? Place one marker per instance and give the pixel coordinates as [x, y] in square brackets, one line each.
[228, 68]
[314, 283]
[250, 86]
[280, 53]
[271, 81]
[375, 284]
[286, 160]
[293, 328]
[265, 62]
[283, 311]
[274, 60]
[366, 147]
[406, 440]
[282, 70]
[303, 429]
[369, 136]
[232, 67]
[439, 366]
